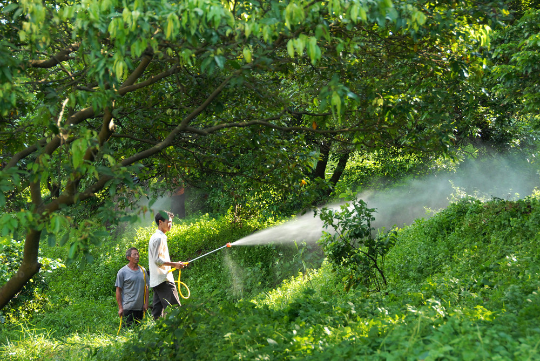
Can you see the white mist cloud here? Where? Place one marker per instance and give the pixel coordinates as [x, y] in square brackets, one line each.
[506, 178]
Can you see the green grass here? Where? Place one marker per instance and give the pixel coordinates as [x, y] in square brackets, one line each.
[463, 285]
[25, 342]
[77, 310]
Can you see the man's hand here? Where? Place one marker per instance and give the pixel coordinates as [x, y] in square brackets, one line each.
[145, 307]
[120, 312]
[179, 265]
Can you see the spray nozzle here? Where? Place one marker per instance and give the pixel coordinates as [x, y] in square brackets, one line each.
[228, 245]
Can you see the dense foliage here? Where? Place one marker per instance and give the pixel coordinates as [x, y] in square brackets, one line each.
[229, 275]
[100, 101]
[32, 298]
[460, 284]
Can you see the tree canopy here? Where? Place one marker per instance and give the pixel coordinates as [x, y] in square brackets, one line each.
[98, 99]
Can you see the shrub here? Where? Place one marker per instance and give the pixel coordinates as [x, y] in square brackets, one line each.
[352, 249]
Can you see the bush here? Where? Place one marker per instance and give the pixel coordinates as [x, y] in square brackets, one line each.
[352, 249]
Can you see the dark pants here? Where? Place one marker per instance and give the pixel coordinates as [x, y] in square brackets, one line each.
[165, 294]
[131, 315]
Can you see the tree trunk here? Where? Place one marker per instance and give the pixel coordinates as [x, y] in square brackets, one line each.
[320, 169]
[342, 162]
[178, 203]
[29, 267]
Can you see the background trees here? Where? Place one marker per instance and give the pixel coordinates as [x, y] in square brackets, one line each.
[100, 99]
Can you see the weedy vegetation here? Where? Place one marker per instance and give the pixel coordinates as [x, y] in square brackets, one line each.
[461, 285]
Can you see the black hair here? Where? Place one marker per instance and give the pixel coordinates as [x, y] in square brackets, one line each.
[160, 216]
[128, 252]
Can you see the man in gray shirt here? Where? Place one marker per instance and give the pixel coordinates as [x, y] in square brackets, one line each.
[132, 284]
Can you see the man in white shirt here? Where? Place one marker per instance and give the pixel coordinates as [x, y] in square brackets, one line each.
[161, 280]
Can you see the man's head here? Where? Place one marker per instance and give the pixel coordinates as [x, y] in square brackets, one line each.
[132, 255]
[164, 224]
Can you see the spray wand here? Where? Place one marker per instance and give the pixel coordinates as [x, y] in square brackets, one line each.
[186, 263]
[206, 254]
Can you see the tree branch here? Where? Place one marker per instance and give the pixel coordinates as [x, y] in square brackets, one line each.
[86, 113]
[182, 126]
[55, 142]
[266, 123]
[56, 59]
[154, 79]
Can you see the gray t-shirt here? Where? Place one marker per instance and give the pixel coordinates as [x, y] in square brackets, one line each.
[132, 285]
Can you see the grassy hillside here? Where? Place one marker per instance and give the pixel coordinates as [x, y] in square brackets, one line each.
[463, 285]
[76, 308]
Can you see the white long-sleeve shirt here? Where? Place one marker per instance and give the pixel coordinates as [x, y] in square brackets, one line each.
[158, 253]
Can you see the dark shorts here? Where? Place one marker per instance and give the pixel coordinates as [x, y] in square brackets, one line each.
[132, 317]
[165, 294]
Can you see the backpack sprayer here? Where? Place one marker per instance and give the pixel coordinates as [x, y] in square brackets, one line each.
[186, 263]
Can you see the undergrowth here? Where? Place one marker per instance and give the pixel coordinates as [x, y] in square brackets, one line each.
[80, 298]
[462, 285]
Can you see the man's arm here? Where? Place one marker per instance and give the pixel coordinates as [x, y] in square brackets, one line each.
[177, 265]
[119, 301]
[153, 255]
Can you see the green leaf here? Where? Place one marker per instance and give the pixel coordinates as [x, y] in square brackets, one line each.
[247, 54]
[373, 332]
[363, 14]
[51, 240]
[169, 28]
[78, 148]
[352, 95]
[56, 225]
[314, 51]
[354, 12]
[290, 48]
[300, 44]
[101, 234]
[336, 101]
[207, 64]
[64, 239]
[220, 61]
[73, 249]
[10, 8]
[7, 73]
